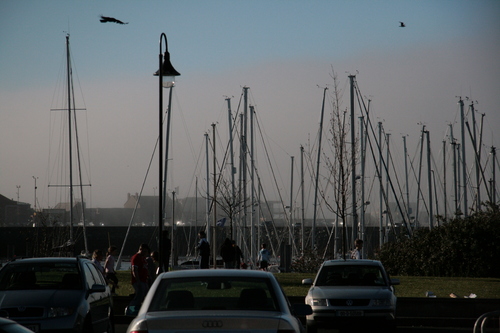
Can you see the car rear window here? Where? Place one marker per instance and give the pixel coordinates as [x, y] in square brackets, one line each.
[214, 293]
[350, 275]
[47, 275]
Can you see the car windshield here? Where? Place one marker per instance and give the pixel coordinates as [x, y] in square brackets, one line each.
[214, 293]
[47, 275]
[350, 275]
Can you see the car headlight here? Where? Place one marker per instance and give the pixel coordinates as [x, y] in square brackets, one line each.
[318, 302]
[381, 302]
[60, 312]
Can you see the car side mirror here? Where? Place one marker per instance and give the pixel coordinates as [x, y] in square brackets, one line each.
[394, 282]
[301, 310]
[97, 288]
[307, 282]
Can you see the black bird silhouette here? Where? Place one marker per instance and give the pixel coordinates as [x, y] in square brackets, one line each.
[401, 24]
[105, 19]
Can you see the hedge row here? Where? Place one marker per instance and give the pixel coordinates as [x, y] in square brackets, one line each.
[460, 247]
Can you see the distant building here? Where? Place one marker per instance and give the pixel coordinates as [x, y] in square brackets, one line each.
[14, 213]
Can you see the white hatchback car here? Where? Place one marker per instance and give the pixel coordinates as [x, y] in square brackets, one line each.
[218, 300]
[351, 292]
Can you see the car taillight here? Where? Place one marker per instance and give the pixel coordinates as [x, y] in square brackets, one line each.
[140, 331]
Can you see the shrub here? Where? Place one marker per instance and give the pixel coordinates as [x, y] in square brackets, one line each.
[461, 247]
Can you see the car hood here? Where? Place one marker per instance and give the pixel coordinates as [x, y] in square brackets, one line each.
[42, 298]
[349, 292]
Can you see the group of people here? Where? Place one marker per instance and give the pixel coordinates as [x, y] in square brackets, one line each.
[231, 254]
[143, 266]
[108, 270]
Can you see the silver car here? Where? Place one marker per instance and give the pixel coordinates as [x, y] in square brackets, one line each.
[351, 292]
[56, 295]
[218, 300]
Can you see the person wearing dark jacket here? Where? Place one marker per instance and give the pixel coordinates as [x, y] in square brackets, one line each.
[203, 249]
[227, 254]
[238, 255]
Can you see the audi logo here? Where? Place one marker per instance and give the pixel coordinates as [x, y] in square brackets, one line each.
[212, 324]
[349, 302]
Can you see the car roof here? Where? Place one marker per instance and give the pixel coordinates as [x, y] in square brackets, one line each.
[46, 260]
[350, 262]
[215, 273]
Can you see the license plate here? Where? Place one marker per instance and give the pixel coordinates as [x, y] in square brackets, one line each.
[350, 313]
[33, 327]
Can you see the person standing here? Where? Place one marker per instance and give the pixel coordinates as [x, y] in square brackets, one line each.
[263, 258]
[226, 252]
[237, 254]
[357, 253]
[203, 250]
[109, 268]
[139, 275]
[153, 265]
[96, 260]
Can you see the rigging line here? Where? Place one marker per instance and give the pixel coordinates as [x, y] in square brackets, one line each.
[138, 200]
[220, 167]
[390, 179]
[181, 113]
[377, 167]
[398, 183]
[78, 155]
[478, 162]
[270, 165]
[266, 153]
[263, 193]
[263, 137]
[273, 222]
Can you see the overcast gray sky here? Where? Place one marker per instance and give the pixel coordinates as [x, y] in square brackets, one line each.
[281, 50]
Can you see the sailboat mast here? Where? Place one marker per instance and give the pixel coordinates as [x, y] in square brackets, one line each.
[363, 203]
[493, 176]
[290, 223]
[455, 173]
[429, 180]
[406, 180]
[477, 151]
[214, 201]
[444, 182]
[313, 232]
[253, 248]
[353, 163]
[303, 217]
[464, 164]
[68, 70]
[231, 155]
[207, 202]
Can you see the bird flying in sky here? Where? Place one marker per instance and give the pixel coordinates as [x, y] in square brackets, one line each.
[105, 19]
[401, 24]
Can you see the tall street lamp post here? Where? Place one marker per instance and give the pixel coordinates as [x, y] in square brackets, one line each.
[166, 74]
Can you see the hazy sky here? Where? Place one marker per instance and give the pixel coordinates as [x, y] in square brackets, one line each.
[282, 50]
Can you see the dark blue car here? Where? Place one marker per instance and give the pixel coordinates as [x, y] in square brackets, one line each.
[56, 295]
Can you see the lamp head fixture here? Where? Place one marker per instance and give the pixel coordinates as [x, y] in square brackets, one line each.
[168, 71]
